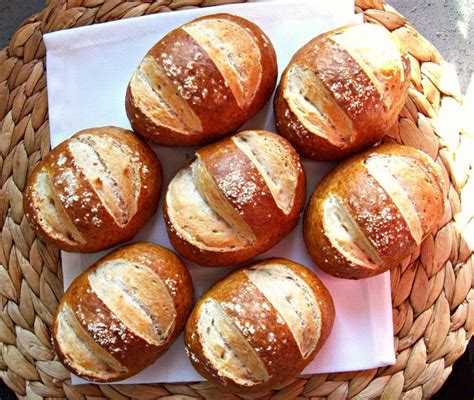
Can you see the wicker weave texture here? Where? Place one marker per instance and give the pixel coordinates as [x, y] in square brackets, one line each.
[433, 300]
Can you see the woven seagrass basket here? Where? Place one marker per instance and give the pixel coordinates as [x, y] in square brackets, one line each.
[433, 300]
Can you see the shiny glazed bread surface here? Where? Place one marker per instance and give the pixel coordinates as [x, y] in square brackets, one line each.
[94, 190]
[373, 210]
[202, 81]
[237, 199]
[122, 313]
[260, 326]
[342, 91]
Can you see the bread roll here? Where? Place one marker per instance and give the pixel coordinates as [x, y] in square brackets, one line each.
[202, 81]
[260, 326]
[94, 190]
[122, 313]
[373, 210]
[342, 92]
[237, 199]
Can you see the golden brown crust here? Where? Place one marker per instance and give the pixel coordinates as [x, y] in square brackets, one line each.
[197, 80]
[79, 198]
[224, 159]
[326, 305]
[249, 195]
[169, 267]
[104, 328]
[374, 211]
[353, 93]
[219, 95]
[94, 316]
[262, 326]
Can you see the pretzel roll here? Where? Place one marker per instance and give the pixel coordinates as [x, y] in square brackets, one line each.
[373, 210]
[202, 81]
[342, 91]
[237, 199]
[122, 313]
[260, 326]
[94, 190]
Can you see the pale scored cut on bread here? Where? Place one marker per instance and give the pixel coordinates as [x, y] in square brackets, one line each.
[122, 313]
[373, 210]
[208, 204]
[259, 326]
[342, 91]
[202, 81]
[94, 190]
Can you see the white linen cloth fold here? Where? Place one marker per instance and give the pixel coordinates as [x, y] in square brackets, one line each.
[88, 70]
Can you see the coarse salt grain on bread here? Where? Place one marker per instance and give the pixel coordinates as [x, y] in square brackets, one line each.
[94, 190]
[342, 91]
[260, 326]
[122, 313]
[237, 199]
[202, 81]
[373, 210]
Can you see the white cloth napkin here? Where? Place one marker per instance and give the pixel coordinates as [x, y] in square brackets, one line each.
[88, 70]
